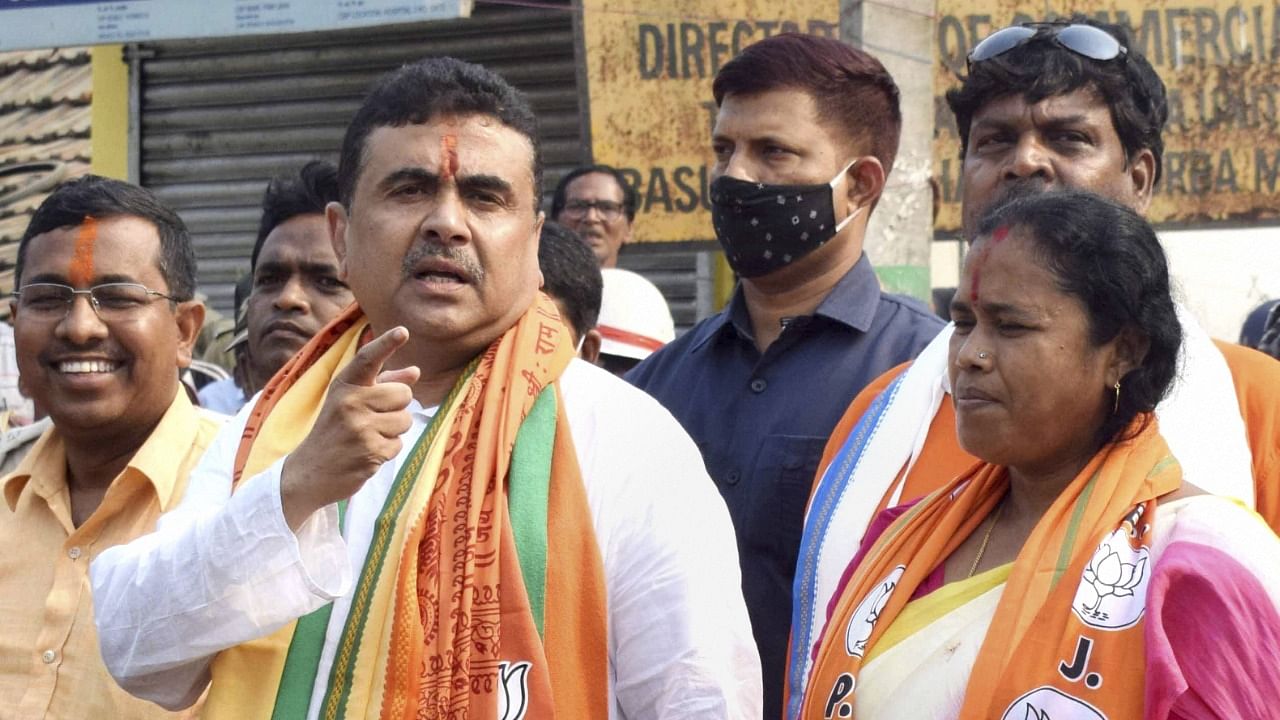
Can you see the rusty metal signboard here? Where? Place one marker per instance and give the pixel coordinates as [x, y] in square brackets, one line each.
[650, 64]
[1220, 62]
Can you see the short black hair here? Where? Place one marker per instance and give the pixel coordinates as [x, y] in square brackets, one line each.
[850, 88]
[571, 274]
[1040, 68]
[306, 192]
[94, 196]
[1108, 257]
[421, 91]
[630, 199]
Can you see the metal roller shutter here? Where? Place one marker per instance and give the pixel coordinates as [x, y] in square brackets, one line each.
[219, 118]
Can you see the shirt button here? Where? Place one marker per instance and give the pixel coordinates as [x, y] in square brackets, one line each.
[49, 656]
[74, 553]
[732, 477]
[758, 385]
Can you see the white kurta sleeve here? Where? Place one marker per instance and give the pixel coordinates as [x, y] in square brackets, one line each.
[219, 570]
[680, 638]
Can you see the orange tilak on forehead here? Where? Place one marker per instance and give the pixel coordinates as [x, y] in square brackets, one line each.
[997, 237]
[448, 157]
[80, 273]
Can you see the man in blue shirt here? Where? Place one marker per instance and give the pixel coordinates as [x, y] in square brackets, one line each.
[805, 135]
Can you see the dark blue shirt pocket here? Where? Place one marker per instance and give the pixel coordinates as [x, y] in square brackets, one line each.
[784, 473]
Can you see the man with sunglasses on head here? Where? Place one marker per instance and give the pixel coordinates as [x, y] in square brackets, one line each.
[103, 320]
[805, 136]
[1044, 106]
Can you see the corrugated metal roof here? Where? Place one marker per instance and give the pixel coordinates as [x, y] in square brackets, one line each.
[44, 136]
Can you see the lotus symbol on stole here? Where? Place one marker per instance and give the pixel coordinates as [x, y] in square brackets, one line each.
[513, 690]
[868, 612]
[1049, 703]
[1110, 575]
[1113, 587]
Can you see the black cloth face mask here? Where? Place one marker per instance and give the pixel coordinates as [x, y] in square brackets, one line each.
[766, 227]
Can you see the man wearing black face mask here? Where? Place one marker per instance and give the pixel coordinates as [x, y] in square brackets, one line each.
[806, 133]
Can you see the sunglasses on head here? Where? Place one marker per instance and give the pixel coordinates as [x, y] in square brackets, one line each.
[1085, 40]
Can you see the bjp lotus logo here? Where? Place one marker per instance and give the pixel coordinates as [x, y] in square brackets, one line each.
[868, 612]
[1048, 703]
[1113, 589]
[1113, 576]
[513, 690]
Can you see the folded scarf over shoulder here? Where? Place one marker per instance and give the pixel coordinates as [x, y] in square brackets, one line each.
[1068, 631]
[482, 594]
[1200, 420]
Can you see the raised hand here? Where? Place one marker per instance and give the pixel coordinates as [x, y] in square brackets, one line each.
[358, 430]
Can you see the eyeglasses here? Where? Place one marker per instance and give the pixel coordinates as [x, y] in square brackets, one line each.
[1086, 40]
[578, 209]
[110, 301]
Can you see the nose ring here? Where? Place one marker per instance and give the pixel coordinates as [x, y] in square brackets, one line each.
[983, 356]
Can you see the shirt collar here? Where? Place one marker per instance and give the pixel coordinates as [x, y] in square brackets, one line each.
[852, 302]
[855, 298]
[424, 414]
[723, 322]
[44, 468]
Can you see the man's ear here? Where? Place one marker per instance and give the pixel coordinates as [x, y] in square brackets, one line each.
[335, 215]
[538, 222]
[626, 236]
[1142, 173]
[189, 316]
[537, 243]
[591, 346]
[864, 182]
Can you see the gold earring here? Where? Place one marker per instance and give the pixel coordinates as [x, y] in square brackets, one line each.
[1116, 408]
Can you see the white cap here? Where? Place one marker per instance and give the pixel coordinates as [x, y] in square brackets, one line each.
[634, 317]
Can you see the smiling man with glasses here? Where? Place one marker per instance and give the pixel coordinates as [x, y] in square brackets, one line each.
[103, 321]
[597, 203]
[110, 301]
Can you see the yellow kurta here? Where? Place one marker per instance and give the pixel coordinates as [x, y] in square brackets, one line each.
[50, 665]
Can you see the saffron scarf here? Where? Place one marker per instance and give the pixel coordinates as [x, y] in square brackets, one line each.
[1200, 420]
[482, 594]
[1067, 636]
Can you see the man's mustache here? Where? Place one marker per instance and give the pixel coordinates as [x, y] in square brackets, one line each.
[1020, 188]
[454, 255]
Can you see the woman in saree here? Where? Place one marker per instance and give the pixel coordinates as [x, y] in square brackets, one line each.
[1072, 574]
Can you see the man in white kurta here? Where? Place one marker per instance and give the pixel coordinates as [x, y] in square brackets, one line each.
[437, 236]
[679, 642]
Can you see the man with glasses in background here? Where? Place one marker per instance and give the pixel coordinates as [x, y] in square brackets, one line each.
[103, 322]
[1044, 106]
[597, 203]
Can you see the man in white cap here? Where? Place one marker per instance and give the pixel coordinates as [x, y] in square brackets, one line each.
[634, 320]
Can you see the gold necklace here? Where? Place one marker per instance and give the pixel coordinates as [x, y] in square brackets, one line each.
[982, 549]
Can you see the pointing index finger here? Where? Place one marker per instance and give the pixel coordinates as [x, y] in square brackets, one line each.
[368, 361]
